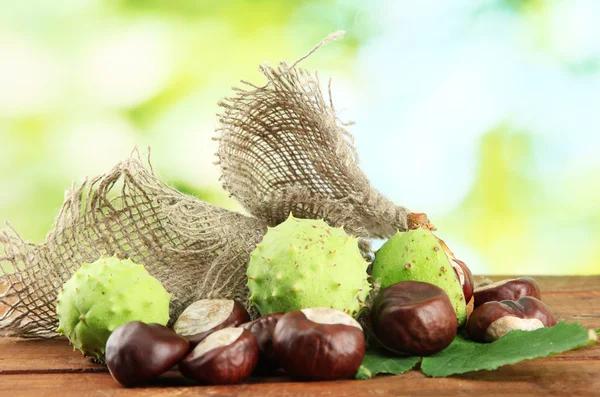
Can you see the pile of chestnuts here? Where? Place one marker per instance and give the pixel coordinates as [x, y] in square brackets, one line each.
[417, 318]
[214, 341]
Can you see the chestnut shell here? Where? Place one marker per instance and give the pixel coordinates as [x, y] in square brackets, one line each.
[263, 328]
[414, 317]
[511, 290]
[315, 351]
[525, 307]
[138, 352]
[225, 364]
[238, 316]
[468, 285]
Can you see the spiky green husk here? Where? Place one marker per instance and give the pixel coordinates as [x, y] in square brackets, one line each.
[305, 263]
[103, 295]
[418, 256]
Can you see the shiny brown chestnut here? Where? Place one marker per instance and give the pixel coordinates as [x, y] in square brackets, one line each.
[138, 352]
[512, 290]
[206, 316]
[414, 317]
[262, 328]
[493, 320]
[319, 344]
[226, 356]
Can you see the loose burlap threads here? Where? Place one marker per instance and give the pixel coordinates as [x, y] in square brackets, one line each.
[282, 149]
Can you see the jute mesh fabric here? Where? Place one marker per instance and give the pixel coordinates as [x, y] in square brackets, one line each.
[281, 149]
[195, 249]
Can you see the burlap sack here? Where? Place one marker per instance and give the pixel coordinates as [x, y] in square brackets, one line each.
[282, 149]
[195, 249]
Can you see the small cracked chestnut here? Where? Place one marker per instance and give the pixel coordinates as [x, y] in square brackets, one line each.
[206, 316]
[512, 290]
[137, 352]
[493, 320]
[226, 356]
[319, 344]
[414, 317]
[262, 328]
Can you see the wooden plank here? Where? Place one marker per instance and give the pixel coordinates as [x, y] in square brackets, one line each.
[578, 306]
[39, 355]
[549, 284]
[530, 378]
[30, 355]
[56, 356]
[50, 367]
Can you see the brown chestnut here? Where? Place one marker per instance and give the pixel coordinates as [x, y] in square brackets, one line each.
[319, 344]
[512, 290]
[226, 356]
[262, 328]
[205, 316]
[493, 320]
[414, 317]
[138, 352]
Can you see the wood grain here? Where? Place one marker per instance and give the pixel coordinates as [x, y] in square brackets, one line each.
[553, 284]
[52, 368]
[529, 378]
[42, 356]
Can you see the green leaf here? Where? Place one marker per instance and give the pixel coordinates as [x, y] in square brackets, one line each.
[378, 362]
[466, 356]
[363, 373]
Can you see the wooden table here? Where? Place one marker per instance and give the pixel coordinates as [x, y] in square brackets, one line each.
[51, 368]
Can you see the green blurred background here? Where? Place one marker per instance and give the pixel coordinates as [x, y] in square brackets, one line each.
[485, 115]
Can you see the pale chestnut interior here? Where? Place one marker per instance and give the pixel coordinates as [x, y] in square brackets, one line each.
[220, 338]
[459, 271]
[203, 315]
[493, 285]
[323, 315]
[505, 324]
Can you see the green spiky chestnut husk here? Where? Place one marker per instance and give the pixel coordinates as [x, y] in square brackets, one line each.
[304, 263]
[418, 256]
[103, 295]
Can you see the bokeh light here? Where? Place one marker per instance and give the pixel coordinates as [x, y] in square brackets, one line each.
[482, 114]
